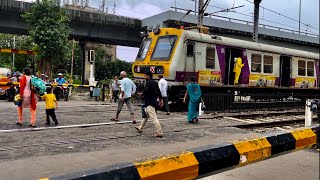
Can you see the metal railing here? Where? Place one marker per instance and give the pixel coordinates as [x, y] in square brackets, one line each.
[75, 14]
[269, 26]
[230, 102]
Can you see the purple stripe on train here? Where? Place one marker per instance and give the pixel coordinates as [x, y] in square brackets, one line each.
[317, 67]
[221, 57]
[245, 69]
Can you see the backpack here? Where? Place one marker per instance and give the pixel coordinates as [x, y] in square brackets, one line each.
[38, 85]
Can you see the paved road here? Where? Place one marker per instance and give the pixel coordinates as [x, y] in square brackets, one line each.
[294, 166]
[53, 152]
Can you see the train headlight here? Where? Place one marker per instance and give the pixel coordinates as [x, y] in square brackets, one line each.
[156, 30]
[160, 70]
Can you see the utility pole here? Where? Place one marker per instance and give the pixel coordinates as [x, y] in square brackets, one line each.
[195, 7]
[200, 14]
[107, 8]
[87, 3]
[72, 59]
[202, 7]
[114, 6]
[299, 15]
[102, 5]
[255, 34]
[13, 55]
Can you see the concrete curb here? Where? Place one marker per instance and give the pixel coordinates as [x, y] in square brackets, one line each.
[205, 160]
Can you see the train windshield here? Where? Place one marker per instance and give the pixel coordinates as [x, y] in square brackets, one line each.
[164, 48]
[143, 49]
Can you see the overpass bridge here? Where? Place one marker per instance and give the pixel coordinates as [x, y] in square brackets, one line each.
[96, 26]
[86, 26]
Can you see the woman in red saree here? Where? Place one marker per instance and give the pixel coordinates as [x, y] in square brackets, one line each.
[29, 98]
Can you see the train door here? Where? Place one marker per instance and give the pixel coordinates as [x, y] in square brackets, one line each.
[285, 71]
[230, 55]
[190, 61]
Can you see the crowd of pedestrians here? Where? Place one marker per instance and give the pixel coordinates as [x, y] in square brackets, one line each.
[154, 96]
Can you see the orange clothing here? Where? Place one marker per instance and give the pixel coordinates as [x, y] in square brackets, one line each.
[33, 113]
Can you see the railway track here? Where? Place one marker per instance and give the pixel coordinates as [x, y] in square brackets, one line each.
[271, 121]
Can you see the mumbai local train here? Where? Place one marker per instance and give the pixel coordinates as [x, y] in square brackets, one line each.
[219, 61]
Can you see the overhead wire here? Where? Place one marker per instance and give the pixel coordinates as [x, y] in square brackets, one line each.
[251, 16]
[280, 14]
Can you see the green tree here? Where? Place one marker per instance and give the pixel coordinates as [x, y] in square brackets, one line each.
[109, 69]
[22, 42]
[49, 29]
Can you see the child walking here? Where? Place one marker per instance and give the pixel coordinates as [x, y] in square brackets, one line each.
[51, 104]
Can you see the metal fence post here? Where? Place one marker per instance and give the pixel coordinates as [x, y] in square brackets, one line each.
[308, 118]
[104, 92]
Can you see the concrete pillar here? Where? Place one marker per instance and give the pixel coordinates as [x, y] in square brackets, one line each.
[85, 47]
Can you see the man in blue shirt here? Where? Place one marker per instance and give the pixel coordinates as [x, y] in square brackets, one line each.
[127, 88]
[60, 80]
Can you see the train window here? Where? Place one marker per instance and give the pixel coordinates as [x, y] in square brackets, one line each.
[310, 68]
[190, 50]
[143, 49]
[301, 68]
[164, 47]
[267, 64]
[210, 58]
[255, 63]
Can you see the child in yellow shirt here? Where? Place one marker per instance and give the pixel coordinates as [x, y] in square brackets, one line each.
[51, 105]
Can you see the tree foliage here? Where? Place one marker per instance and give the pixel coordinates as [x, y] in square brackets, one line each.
[49, 29]
[22, 42]
[108, 69]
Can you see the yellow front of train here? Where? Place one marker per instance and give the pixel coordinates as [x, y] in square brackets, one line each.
[156, 53]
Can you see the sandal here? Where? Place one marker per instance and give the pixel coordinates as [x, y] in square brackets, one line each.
[139, 130]
[31, 125]
[157, 135]
[113, 119]
[19, 123]
[134, 122]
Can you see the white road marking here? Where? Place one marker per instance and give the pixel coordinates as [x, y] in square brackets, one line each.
[76, 126]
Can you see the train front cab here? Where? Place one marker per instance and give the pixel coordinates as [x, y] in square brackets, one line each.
[156, 53]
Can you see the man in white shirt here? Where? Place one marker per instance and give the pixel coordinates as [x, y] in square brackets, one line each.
[163, 86]
[127, 88]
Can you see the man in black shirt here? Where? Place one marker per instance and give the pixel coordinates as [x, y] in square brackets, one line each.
[151, 95]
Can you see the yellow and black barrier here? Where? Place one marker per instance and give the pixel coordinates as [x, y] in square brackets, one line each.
[69, 85]
[206, 160]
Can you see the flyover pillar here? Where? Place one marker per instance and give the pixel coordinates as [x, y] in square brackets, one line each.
[85, 48]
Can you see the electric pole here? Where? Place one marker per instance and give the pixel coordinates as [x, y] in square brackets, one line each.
[299, 16]
[102, 5]
[114, 6]
[202, 8]
[200, 14]
[255, 33]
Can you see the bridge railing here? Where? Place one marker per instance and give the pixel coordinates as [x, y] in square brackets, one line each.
[100, 18]
[268, 26]
[15, 6]
[75, 14]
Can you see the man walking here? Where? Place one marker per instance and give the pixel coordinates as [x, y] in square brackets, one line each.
[115, 88]
[163, 86]
[127, 88]
[151, 94]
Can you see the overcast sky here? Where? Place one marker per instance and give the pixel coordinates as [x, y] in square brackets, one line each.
[290, 8]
